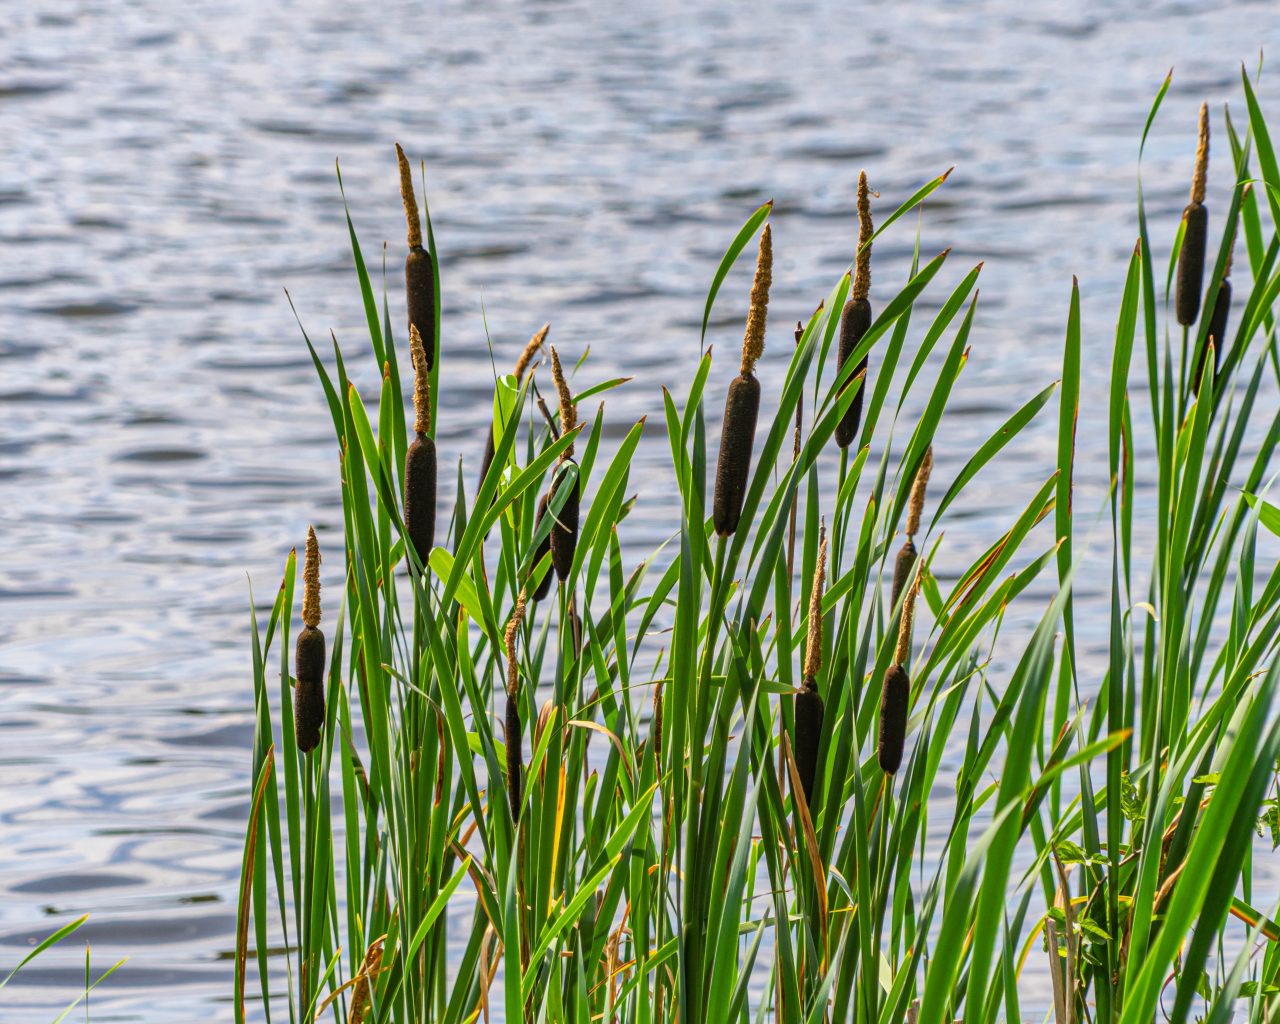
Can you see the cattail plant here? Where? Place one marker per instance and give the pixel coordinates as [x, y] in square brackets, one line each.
[809, 706]
[1195, 219]
[742, 405]
[308, 694]
[564, 529]
[514, 765]
[895, 695]
[522, 364]
[419, 273]
[544, 547]
[906, 560]
[855, 318]
[420, 459]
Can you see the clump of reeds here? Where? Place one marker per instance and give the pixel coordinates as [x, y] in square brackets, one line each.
[419, 273]
[420, 459]
[515, 766]
[742, 404]
[308, 693]
[895, 694]
[522, 364]
[809, 707]
[1195, 219]
[855, 318]
[564, 529]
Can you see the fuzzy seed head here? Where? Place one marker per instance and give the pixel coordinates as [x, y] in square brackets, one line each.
[753, 339]
[311, 581]
[421, 382]
[509, 638]
[568, 411]
[813, 650]
[530, 352]
[1202, 157]
[916, 505]
[862, 270]
[409, 200]
[902, 651]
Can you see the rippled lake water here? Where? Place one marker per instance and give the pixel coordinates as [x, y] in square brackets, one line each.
[170, 169]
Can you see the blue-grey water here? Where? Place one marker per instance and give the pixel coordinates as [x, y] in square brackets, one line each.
[169, 170]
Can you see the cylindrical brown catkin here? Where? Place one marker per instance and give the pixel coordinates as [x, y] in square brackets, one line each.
[514, 766]
[902, 570]
[733, 466]
[486, 460]
[544, 546]
[308, 695]
[1217, 330]
[893, 718]
[1190, 278]
[420, 296]
[564, 530]
[420, 495]
[855, 320]
[809, 712]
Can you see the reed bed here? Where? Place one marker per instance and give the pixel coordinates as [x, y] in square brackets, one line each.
[777, 772]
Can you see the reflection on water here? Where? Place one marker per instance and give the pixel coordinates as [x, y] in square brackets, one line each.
[170, 170]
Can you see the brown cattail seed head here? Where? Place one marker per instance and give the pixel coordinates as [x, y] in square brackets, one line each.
[308, 694]
[753, 339]
[564, 528]
[515, 768]
[813, 647]
[655, 725]
[1217, 332]
[568, 410]
[894, 698]
[733, 466]
[541, 552]
[409, 200]
[421, 382]
[311, 580]
[902, 571]
[1195, 219]
[855, 321]
[915, 506]
[420, 496]
[902, 650]
[862, 268]
[809, 714]
[530, 352]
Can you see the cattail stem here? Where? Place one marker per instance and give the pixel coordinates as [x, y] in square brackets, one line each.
[309, 656]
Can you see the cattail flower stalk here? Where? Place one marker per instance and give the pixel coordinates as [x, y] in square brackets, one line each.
[564, 528]
[906, 560]
[1218, 318]
[420, 459]
[514, 759]
[809, 707]
[1195, 219]
[855, 318]
[419, 273]
[531, 350]
[309, 655]
[742, 405]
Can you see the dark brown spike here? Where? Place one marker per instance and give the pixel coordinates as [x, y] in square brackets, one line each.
[855, 321]
[737, 437]
[544, 547]
[809, 713]
[1190, 279]
[308, 695]
[1217, 332]
[515, 767]
[420, 296]
[894, 697]
[420, 496]
[486, 460]
[902, 571]
[564, 530]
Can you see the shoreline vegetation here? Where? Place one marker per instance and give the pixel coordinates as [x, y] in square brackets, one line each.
[535, 779]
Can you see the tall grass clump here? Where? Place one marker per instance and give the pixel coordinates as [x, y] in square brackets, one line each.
[797, 764]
